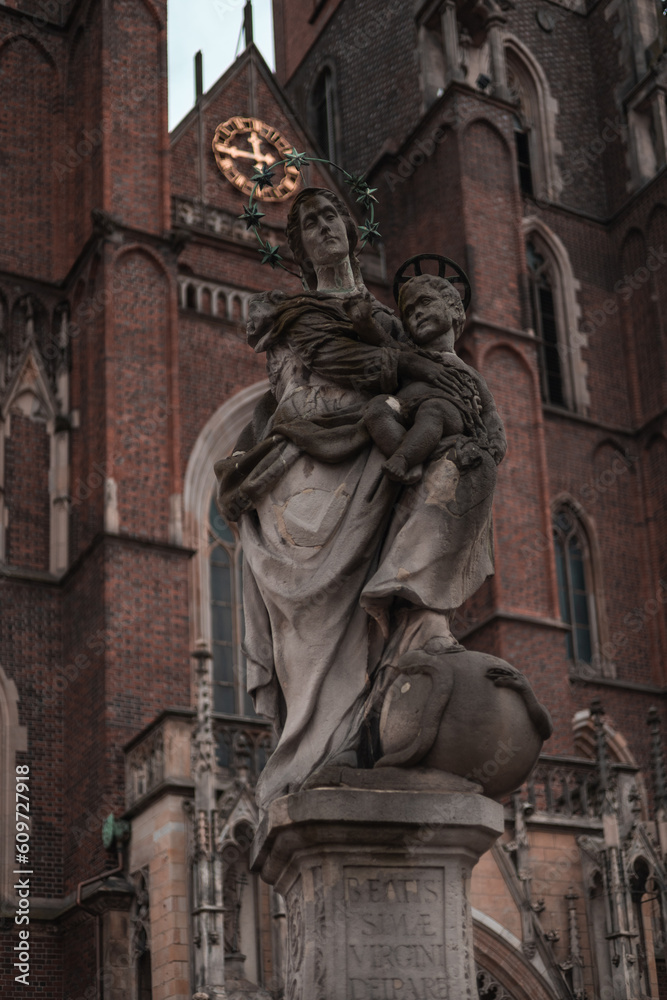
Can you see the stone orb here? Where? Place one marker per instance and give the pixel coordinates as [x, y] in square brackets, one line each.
[466, 713]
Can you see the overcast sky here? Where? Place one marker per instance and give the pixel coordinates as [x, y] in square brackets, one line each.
[212, 26]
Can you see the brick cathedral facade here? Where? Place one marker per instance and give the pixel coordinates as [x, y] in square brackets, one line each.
[525, 140]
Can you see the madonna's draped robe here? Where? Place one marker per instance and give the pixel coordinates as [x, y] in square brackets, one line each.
[330, 543]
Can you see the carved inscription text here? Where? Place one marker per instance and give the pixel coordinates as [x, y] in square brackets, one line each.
[395, 933]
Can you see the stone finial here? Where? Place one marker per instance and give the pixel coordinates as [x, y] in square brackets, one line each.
[657, 759]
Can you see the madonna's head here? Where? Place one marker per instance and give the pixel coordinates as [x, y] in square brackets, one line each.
[313, 228]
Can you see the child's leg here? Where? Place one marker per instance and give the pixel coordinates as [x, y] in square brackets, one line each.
[419, 441]
[382, 418]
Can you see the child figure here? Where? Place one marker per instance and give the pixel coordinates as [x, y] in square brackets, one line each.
[464, 416]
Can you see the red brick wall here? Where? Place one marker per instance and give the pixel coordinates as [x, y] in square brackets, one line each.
[136, 102]
[139, 417]
[296, 25]
[27, 460]
[29, 126]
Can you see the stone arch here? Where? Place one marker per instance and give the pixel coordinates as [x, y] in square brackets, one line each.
[585, 745]
[13, 740]
[215, 441]
[34, 466]
[571, 340]
[35, 42]
[220, 309]
[322, 108]
[487, 356]
[142, 250]
[506, 345]
[236, 308]
[493, 231]
[585, 528]
[241, 887]
[189, 295]
[499, 953]
[529, 84]
[477, 120]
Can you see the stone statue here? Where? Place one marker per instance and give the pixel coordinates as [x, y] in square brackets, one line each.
[363, 491]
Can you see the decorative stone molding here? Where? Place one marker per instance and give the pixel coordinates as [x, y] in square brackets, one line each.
[195, 215]
[158, 757]
[215, 441]
[572, 340]
[211, 299]
[542, 109]
[31, 393]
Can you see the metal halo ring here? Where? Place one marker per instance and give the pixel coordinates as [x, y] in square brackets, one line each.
[460, 276]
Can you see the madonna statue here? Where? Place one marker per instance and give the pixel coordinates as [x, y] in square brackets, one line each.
[363, 491]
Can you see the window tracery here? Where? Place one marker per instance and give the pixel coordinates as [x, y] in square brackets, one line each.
[545, 324]
[226, 575]
[535, 136]
[556, 316]
[575, 585]
[323, 112]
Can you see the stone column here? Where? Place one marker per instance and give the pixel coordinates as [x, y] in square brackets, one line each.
[376, 886]
[450, 42]
[495, 26]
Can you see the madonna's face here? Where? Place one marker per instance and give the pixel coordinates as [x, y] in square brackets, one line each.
[323, 232]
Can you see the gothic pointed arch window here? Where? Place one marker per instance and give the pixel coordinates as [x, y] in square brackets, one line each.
[534, 123]
[522, 140]
[545, 324]
[555, 319]
[323, 111]
[574, 574]
[227, 626]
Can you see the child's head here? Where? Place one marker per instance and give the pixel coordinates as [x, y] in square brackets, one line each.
[431, 307]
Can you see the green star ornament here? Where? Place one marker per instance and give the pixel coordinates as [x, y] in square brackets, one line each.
[294, 159]
[270, 254]
[369, 232]
[251, 216]
[263, 178]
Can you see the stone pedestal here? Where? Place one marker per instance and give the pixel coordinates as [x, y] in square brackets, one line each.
[376, 889]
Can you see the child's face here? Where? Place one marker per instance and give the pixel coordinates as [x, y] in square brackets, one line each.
[426, 314]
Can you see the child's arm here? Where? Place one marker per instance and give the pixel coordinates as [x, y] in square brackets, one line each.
[495, 430]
